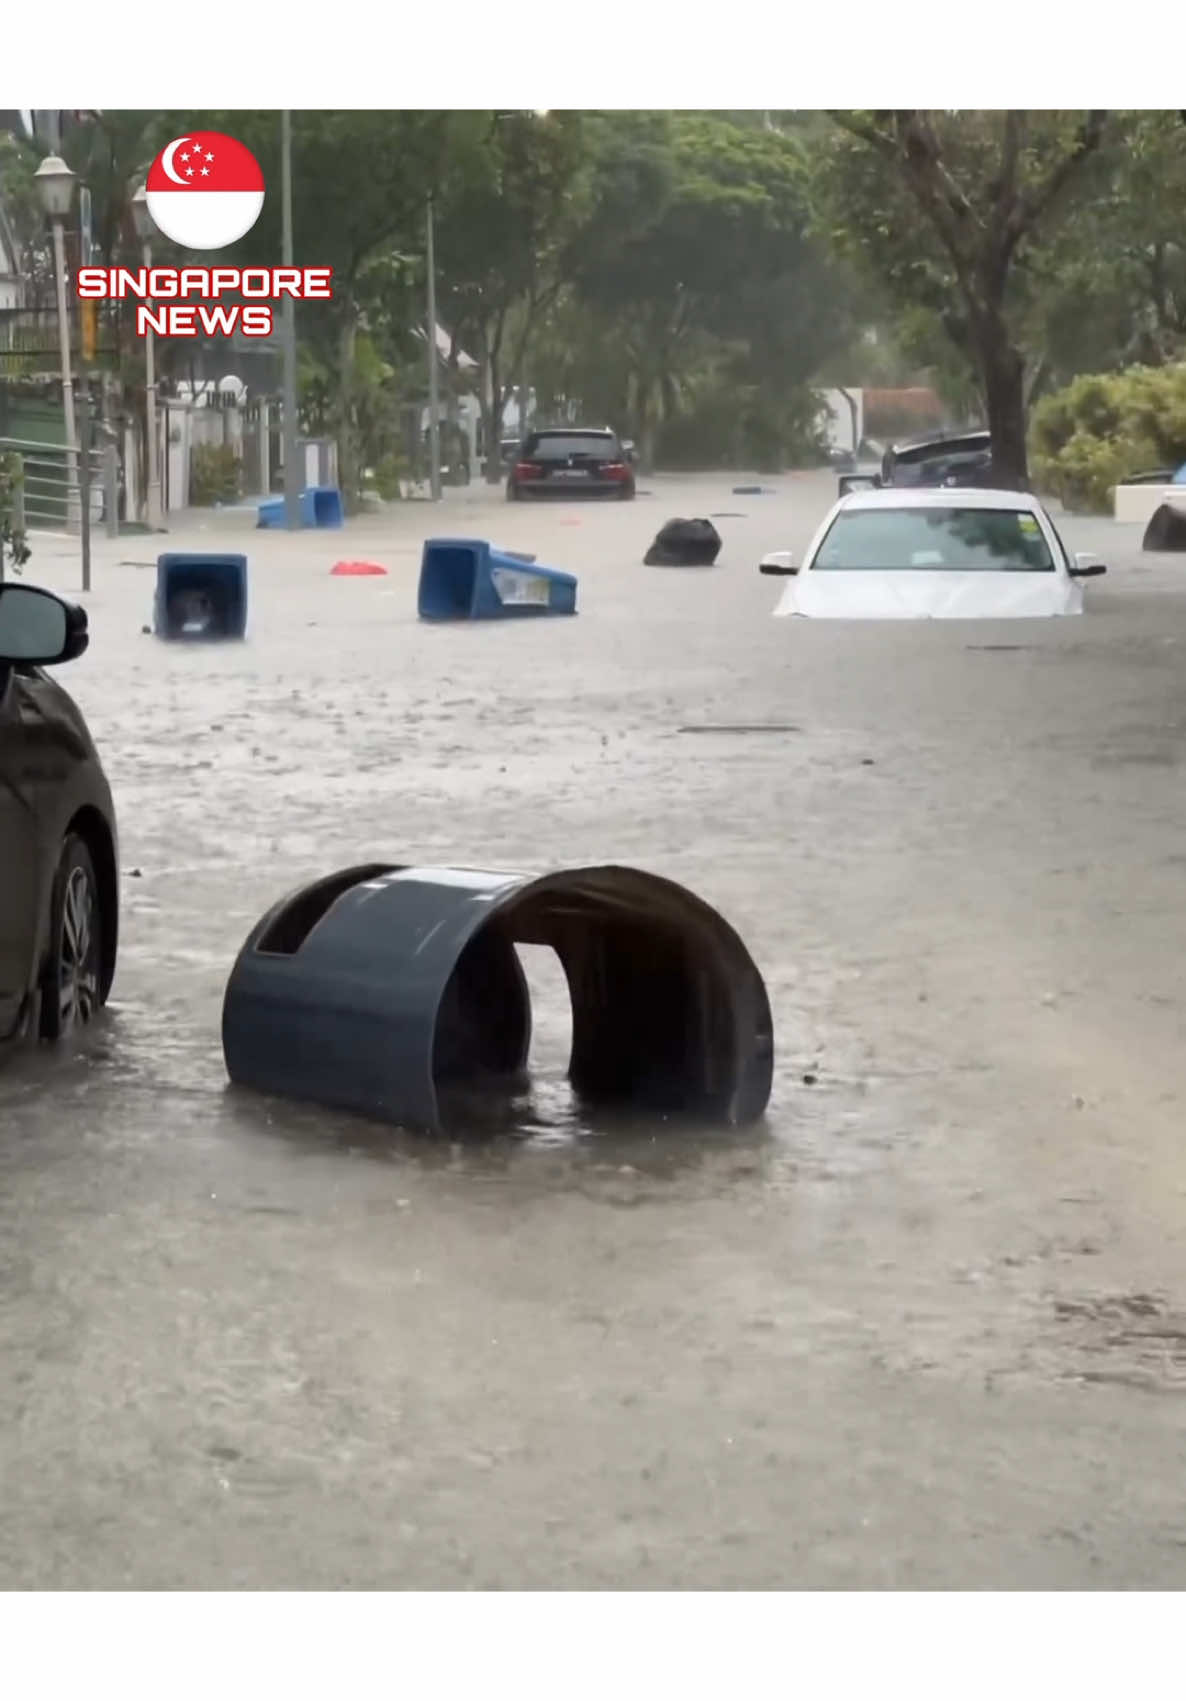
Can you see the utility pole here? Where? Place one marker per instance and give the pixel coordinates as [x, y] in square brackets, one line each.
[292, 475]
[87, 317]
[434, 401]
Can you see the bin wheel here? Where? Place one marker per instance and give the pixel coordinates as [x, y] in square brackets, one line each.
[70, 994]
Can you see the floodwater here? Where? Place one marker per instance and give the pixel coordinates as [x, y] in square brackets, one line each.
[923, 1326]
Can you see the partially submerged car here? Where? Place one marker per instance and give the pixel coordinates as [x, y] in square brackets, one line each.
[935, 555]
[931, 460]
[59, 892]
[572, 461]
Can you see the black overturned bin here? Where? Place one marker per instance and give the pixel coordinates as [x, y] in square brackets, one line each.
[378, 987]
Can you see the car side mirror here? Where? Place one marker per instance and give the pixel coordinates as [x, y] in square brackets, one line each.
[1087, 567]
[779, 561]
[859, 481]
[37, 628]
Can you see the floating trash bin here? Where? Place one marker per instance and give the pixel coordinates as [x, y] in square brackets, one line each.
[200, 597]
[465, 579]
[320, 505]
[380, 987]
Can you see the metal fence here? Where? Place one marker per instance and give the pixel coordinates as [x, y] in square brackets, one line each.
[49, 494]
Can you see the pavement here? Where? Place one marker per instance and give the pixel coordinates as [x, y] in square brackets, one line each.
[924, 1327]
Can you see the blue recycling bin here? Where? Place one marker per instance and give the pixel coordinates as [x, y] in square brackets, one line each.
[320, 505]
[200, 597]
[466, 579]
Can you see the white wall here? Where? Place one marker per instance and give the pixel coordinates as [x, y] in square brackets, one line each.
[837, 418]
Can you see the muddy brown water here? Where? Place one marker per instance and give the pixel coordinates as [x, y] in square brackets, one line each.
[921, 1327]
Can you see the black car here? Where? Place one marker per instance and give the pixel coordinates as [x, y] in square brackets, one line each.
[59, 891]
[571, 462]
[930, 461]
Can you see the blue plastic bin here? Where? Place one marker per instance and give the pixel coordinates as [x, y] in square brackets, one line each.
[321, 505]
[465, 579]
[200, 597]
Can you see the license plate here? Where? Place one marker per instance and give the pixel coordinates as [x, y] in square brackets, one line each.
[570, 475]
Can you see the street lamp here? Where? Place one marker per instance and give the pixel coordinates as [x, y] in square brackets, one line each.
[55, 189]
[144, 230]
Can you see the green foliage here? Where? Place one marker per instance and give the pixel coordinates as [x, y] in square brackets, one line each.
[954, 213]
[13, 547]
[729, 427]
[1103, 428]
[695, 276]
[216, 475]
[687, 277]
[388, 475]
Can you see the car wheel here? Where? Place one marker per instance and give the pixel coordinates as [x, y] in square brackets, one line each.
[512, 493]
[70, 995]
[627, 494]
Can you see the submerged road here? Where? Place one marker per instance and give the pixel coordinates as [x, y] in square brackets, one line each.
[925, 1327]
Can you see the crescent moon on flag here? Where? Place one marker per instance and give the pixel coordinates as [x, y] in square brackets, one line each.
[167, 162]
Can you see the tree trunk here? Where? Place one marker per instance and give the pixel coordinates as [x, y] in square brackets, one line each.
[1003, 372]
[490, 412]
[349, 471]
[646, 439]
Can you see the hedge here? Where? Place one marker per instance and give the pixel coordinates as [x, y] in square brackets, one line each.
[1104, 428]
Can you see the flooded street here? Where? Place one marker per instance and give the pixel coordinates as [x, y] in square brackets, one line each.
[923, 1327]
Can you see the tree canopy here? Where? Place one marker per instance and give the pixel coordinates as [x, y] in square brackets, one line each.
[690, 277]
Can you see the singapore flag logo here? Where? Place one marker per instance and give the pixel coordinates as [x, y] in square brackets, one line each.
[205, 190]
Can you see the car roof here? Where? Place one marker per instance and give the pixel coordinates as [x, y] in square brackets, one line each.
[949, 497]
[945, 434]
[572, 431]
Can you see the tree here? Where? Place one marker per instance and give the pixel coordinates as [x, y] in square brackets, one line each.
[508, 209]
[360, 186]
[699, 250]
[945, 207]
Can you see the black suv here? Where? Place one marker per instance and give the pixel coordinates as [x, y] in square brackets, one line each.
[571, 462]
[930, 461]
[59, 888]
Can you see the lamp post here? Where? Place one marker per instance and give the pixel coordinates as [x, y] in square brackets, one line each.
[292, 473]
[144, 229]
[55, 189]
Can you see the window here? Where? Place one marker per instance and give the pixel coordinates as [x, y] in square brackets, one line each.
[943, 540]
[596, 445]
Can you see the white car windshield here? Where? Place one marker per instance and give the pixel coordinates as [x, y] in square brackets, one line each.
[942, 540]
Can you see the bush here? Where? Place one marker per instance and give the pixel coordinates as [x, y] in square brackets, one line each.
[1103, 428]
[387, 475]
[12, 538]
[215, 475]
[731, 428]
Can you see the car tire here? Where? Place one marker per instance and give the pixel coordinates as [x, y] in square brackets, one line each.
[512, 493]
[71, 994]
[627, 494]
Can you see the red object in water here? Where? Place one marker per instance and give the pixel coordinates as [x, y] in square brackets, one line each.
[356, 569]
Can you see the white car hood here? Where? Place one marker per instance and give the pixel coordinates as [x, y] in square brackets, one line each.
[856, 594]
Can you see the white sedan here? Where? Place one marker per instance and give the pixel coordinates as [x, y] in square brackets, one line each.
[935, 555]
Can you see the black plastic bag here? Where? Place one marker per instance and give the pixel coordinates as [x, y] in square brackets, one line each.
[684, 543]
